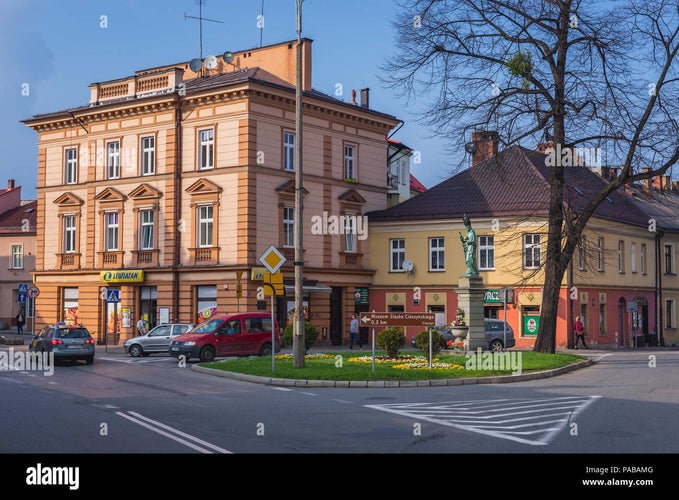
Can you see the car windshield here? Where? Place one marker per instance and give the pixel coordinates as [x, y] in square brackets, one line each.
[208, 327]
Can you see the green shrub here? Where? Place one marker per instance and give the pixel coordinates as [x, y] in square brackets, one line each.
[391, 340]
[310, 335]
[422, 342]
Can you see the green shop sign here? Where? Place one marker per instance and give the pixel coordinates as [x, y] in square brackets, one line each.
[531, 324]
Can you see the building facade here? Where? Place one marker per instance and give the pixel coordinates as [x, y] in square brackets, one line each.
[158, 198]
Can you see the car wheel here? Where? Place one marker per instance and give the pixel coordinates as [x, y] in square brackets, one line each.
[265, 350]
[496, 345]
[136, 350]
[207, 354]
[89, 361]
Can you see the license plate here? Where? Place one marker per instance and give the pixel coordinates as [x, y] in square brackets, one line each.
[79, 346]
[175, 348]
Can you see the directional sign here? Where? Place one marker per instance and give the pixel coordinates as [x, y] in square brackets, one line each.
[23, 288]
[21, 297]
[113, 296]
[33, 292]
[272, 259]
[397, 319]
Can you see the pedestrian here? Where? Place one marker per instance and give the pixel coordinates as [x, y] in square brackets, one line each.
[579, 330]
[20, 323]
[141, 327]
[353, 333]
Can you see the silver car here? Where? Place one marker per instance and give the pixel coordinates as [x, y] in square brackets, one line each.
[156, 340]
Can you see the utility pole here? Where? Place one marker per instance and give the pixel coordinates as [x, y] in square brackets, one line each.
[298, 347]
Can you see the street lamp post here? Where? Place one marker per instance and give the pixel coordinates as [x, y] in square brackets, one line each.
[298, 347]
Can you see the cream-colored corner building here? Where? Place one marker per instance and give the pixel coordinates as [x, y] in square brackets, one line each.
[170, 184]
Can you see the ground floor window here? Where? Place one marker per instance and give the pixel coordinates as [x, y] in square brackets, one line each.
[490, 312]
[206, 302]
[148, 300]
[70, 306]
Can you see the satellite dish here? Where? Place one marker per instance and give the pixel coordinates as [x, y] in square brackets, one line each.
[196, 65]
[470, 148]
[407, 265]
[210, 62]
[228, 57]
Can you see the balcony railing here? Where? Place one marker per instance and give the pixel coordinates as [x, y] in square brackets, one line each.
[111, 259]
[206, 255]
[147, 258]
[69, 260]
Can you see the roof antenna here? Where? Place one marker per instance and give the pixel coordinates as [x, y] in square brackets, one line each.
[260, 24]
[201, 19]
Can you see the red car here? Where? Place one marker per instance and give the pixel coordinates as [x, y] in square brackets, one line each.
[238, 334]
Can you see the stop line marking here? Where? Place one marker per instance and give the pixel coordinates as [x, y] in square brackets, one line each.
[529, 421]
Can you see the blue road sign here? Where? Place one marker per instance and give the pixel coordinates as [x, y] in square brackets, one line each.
[23, 288]
[21, 297]
[113, 296]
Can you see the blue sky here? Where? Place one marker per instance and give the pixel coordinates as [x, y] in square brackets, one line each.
[52, 50]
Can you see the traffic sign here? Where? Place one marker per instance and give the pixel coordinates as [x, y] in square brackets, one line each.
[21, 297]
[272, 259]
[276, 282]
[33, 292]
[23, 288]
[397, 319]
[113, 296]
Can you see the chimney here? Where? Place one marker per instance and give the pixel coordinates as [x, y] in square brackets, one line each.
[10, 183]
[485, 145]
[646, 182]
[353, 96]
[365, 97]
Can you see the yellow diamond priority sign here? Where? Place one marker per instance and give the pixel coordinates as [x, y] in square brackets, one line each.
[272, 259]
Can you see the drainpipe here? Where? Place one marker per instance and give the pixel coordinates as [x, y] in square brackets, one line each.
[658, 289]
[569, 312]
[177, 208]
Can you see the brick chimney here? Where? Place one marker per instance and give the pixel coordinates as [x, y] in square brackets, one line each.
[646, 182]
[486, 145]
[10, 183]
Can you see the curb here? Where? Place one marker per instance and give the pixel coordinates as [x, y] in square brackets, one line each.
[502, 379]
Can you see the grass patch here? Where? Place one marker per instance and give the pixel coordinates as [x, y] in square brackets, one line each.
[412, 365]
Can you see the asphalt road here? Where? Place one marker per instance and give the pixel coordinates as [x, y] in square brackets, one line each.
[625, 405]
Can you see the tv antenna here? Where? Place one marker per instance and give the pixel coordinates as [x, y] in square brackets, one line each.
[200, 18]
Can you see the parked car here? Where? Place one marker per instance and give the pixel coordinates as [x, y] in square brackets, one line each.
[156, 340]
[494, 331]
[67, 343]
[238, 334]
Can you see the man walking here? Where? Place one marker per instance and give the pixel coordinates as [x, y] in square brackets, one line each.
[20, 323]
[353, 333]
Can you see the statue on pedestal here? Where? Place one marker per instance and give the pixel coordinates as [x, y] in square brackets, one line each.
[469, 247]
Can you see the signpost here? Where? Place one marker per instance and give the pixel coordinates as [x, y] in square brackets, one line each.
[387, 319]
[113, 297]
[273, 260]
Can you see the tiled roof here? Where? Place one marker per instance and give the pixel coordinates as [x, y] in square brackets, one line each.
[416, 185]
[14, 219]
[662, 206]
[515, 182]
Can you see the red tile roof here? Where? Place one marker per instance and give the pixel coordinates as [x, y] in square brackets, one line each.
[416, 185]
[14, 219]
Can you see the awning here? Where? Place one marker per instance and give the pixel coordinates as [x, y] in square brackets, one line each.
[290, 289]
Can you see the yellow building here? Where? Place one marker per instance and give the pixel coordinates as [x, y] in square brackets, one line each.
[169, 185]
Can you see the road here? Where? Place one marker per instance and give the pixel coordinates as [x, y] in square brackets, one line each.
[625, 403]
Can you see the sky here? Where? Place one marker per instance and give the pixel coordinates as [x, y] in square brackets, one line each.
[52, 50]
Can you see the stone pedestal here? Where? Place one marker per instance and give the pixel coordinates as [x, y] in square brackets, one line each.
[470, 294]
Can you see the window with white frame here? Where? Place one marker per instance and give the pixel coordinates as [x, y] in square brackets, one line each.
[581, 254]
[350, 233]
[206, 149]
[111, 235]
[642, 257]
[288, 227]
[437, 257]
[398, 254]
[600, 254]
[113, 160]
[670, 313]
[486, 252]
[633, 257]
[669, 259]
[17, 256]
[146, 228]
[71, 166]
[148, 155]
[621, 256]
[531, 251]
[288, 151]
[69, 233]
[349, 161]
[205, 225]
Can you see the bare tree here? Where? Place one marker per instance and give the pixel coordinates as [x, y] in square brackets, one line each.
[589, 75]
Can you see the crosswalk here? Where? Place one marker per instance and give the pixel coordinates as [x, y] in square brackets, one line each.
[529, 421]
